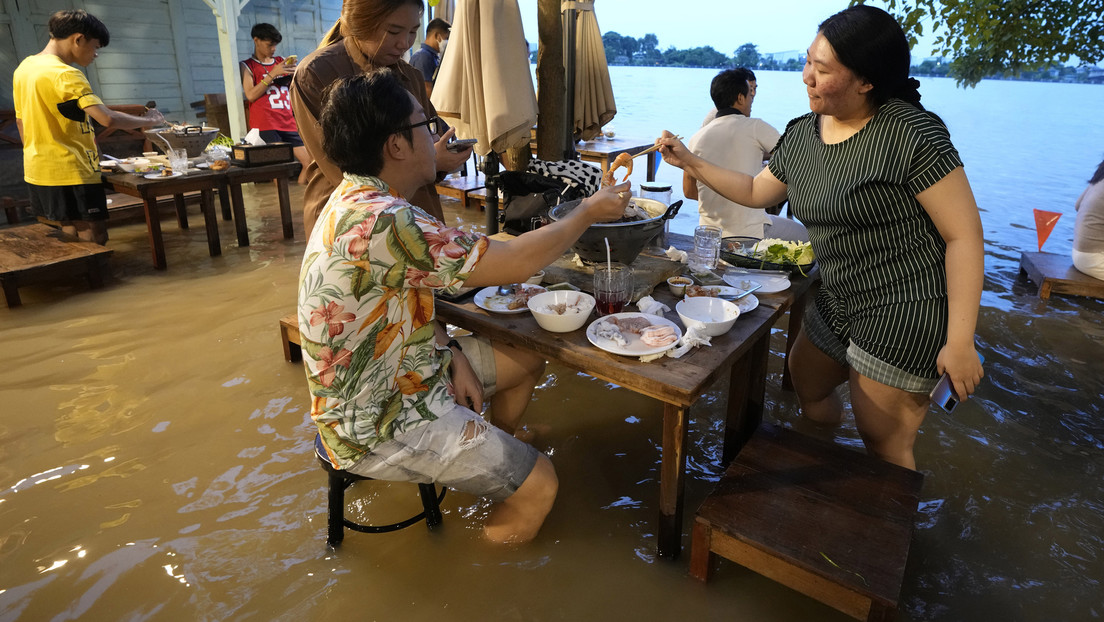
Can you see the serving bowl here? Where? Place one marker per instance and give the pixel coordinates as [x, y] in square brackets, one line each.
[738, 251]
[713, 316]
[626, 239]
[576, 308]
[193, 139]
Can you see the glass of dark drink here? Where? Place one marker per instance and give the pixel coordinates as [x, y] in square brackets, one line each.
[613, 286]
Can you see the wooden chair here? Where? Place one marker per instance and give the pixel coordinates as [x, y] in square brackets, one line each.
[826, 521]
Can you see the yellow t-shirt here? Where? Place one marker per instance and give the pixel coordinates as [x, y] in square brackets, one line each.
[59, 144]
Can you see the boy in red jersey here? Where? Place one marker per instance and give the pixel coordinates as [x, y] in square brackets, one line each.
[265, 80]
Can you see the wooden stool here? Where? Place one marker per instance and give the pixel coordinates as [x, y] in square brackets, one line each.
[289, 338]
[31, 253]
[826, 521]
[1055, 274]
[341, 479]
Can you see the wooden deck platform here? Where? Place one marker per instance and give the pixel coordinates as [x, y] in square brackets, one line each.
[826, 521]
[459, 187]
[36, 252]
[1055, 274]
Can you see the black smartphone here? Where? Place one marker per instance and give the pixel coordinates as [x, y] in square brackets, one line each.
[457, 146]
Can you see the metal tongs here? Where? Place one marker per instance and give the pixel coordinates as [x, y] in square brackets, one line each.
[743, 293]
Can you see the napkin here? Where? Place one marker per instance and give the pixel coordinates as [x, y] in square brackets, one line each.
[578, 261]
[254, 138]
[651, 306]
[675, 254]
[692, 338]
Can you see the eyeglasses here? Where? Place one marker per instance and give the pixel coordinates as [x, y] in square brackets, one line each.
[433, 124]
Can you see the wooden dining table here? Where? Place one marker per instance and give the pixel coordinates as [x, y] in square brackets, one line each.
[740, 354]
[228, 182]
[603, 151]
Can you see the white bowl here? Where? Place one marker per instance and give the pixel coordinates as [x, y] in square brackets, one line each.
[536, 279]
[713, 315]
[130, 164]
[677, 285]
[579, 307]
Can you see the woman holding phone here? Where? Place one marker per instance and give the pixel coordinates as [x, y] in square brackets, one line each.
[369, 34]
[893, 224]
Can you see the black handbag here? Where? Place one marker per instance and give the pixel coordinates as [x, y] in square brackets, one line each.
[529, 195]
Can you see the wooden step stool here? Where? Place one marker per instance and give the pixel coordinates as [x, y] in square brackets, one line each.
[35, 252]
[826, 521]
[289, 337]
[1055, 274]
[459, 187]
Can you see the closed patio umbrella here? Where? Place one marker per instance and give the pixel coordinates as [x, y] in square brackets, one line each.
[484, 88]
[593, 101]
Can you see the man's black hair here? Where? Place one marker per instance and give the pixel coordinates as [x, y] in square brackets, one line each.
[64, 24]
[266, 32]
[728, 85]
[359, 114]
[437, 25]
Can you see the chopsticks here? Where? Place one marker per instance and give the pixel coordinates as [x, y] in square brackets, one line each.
[651, 149]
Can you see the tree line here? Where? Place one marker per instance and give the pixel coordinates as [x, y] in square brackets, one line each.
[645, 52]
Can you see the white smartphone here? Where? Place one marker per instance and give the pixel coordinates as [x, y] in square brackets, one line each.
[943, 395]
[457, 146]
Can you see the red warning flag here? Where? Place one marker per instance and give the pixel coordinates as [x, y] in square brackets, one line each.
[1044, 224]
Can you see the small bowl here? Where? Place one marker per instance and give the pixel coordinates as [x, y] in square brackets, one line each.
[579, 307]
[131, 164]
[536, 279]
[677, 285]
[713, 315]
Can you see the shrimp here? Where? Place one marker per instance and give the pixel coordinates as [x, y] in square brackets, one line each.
[622, 159]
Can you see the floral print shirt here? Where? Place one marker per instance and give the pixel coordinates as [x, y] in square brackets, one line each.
[366, 315]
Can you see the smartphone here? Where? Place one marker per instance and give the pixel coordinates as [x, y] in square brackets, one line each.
[943, 395]
[457, 146]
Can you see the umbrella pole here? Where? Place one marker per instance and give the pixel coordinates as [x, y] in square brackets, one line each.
[570, 19]
[490, 174]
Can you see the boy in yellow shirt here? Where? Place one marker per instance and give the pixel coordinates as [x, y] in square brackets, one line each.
[53, 101]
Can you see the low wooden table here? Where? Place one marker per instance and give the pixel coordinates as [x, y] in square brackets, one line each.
[1055, 274]
[149, 189]
[30, 253]
[458, 187]
[832, 523]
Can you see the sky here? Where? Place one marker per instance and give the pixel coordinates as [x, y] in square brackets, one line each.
[772, 25]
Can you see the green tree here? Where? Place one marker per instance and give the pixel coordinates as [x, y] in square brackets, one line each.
[746, 56]
[986, 38]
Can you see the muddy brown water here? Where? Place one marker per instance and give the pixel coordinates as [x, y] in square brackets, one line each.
[156, 463]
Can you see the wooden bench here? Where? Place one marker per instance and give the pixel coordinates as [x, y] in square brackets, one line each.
[476, 198]
[1055, 274]
[289, 337]
[826, 521]
[35, 252]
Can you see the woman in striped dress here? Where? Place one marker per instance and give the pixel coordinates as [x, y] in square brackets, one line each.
[893, 223]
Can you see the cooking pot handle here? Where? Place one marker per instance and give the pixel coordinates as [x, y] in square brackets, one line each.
[671, 211]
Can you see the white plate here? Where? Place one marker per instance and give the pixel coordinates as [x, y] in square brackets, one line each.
[635, 346]
[108, 164]
[771, 284]
[747, 304]
[160, 176]
[489, 300]
[724, 290]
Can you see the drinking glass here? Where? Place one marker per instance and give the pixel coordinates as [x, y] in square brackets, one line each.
[707, 246]
[178, 160]
[613, 286]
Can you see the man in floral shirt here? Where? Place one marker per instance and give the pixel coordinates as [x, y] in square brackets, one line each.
[393, 397]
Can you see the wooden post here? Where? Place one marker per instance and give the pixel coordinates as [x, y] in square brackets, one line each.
[551, 113]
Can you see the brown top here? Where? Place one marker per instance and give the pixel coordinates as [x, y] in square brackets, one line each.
[316, 72]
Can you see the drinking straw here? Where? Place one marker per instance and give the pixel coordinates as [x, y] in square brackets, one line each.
[609, 264]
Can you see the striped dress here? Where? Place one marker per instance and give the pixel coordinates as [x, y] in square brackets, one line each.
[881, 258]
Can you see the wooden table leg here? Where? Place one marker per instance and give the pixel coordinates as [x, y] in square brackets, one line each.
[747, 386]
[153, 231]
[210, 219]
[797, 313]
[672, 474]
[11, 291]
[181, 211]
[238, 206]
[285, 206]
[224, 197]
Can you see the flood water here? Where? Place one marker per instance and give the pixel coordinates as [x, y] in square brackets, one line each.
[156, 463]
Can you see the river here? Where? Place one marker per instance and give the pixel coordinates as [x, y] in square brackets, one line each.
[156, 460]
